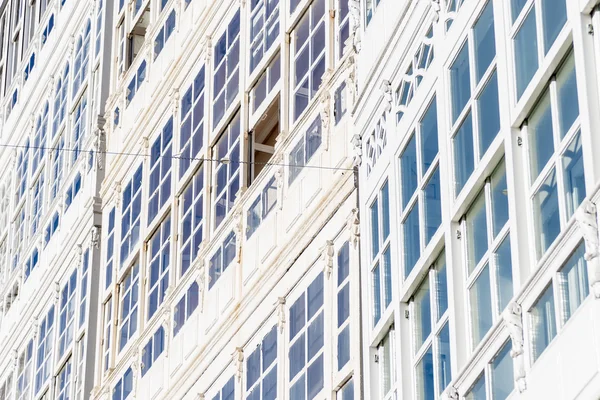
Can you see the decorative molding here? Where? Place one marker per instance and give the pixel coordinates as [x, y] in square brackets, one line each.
[351, 83]
[95, 237]
[207, 45]
[513, 318]
[238, 359]
[281, 313]
[327, 253]
[279, 180]
[353, 226]
[357, 147]
[388, 97]
[435, 6]
[451, 394]
[325, 112]
[100, 147]
[355, 33]
[587, 221]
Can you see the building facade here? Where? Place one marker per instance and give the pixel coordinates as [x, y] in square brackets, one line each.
[477, 123]
[53, 71]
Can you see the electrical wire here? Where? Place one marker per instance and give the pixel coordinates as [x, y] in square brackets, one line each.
[175, 157]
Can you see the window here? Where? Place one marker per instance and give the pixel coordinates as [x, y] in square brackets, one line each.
[192, 220]
[309, 56]
[82, 52]
[370, 7]
[45, 347]
[99, 27]
[342, 27]
[136, 82]
[375, 143]
[573, 283]
[60, 101]
[51, 228]
[85, 263]
[221, 260]
[37, 203]
[487, 254]
[431, 327]
[227, 170]
[6, 388]
[160, 170]
[340, 103]
[110, 249]
[159, 255]
[529, 46]
[343, 306]
[420, 188]
[227, 392]
[24, 365]
[107, 334]
[226, 79]
[264, 29]
[48, 29]
[191, 134]
[73, 191]
[124, 386]
[130, 217]
[19, 226]
[185, 308]
[164, 34]
[266, 83]
[129, 291]
[381, 256]
[555, 157]
[31, 263]
[305, 149]
[63, 384]
[261, 369]
[22, 172]
[39, 141]
[67, 314]
[496, 379]
[121, 47]
[347, 391]
[474, 94]
[261, 207]
[79, 128]
[153, 349]
[29, 67]
[57, 167]
[307, 334]
[80, 369]
[386, 366]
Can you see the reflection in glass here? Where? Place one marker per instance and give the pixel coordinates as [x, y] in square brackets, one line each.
[574, 176]
[526, 56]
[464, 154]
[543, 322]
[546, 214]
[573, 283]
[477, 238]
[481, 305]
[502, 373]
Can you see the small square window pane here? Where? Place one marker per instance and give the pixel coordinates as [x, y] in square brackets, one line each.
[297, 357]
[526, 52]
[541, 139]
[297, 391]
[343, 347]
[573, 283]
[481, 305]
[460, 81]
[485, 45]
[504, 283]
[554, 17]
[543, 322]
[425, 383]
[489, 114]
[546, 214]
[503, 381]
[315, 378]
[477, 238]
[499, 199]
[574, 175]
[568, 103]
[433, 206]
[412, 243]
[423, 314]
[408, 168]
[315, 336]
[429, 136]
[477, 391]
[464, 154]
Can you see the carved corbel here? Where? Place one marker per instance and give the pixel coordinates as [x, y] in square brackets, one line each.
[351, 80]
[201, 280]
[451, 394]
[327, 253]
[281, 313]
[512, 316]
[587, 221]
[435, 6]
[357, 146]
[207, 45]
[353, 226]
[279, 180]
[119, 196]
[354, 11]
[95, 237]
[175, 97]
[100, 147]
[388, 97]
[238, 359]
[325, 107]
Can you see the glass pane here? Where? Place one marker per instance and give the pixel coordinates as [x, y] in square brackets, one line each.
[315, 336]
[441, 298]
[423, 314]
[408, 168]
[464, 154]
[343, 347]
[541, 140]
[499, 199]
[387, 271]
[412, 245]
[297, 357]
[526, 52]
[574, 176]
[385, 211]
[444, 359]
[477, 238]
[429, 136]
[433, 206]
[376, 294]
[516, 7]
[489, 114]
[573, 283]
[504, 283]
[485, 45]
[568, 103]
[481, 305]
[460, 82]
[502, 373]
[425, 385]
[343, 305]
[543, 322]
[477, 391]
[546, 214]
[315, 378]
[374, 229]
[347, 391]
[554, 17]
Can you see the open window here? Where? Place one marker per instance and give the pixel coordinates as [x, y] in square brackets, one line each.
[261, 140]
[137, 35]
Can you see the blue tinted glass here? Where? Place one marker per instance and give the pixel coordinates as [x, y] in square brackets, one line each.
[464, 155]
[485, 45]
[442, 288]
[387, 271]
[504, 282]
[374, 229]
[546, 212]
[423, 313]
[412, 245]
[408, 167]
[315, 336]
[477, 238]
[477, 391]
[385, 211]
[540, 136]
[445, 360]
[554, 17]
[376, 294]
[315, 378]
[429, 136]
[489, 114]
[297, 357]
[425, 382]
[433, 206]
[343, 347]
[460, 82]
[573, 279]
[543, 322]
[516, 7]
[568, 103]
[502, 374]
[481, 305]
[499, 200]
[526, 57]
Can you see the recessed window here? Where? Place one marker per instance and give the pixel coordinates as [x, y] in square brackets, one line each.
[107, 334]
[39, 141]
[82, 55]
[63, 381]
[385, 371]
[542, 322]
[31, 263]
[124, 386]
[79, 128]
[130, 215]
[261, 207]
[110, 249]
[72, 191]
[497, 377]
[135, 83]
[573, 283]
[37, 202]
[381, 256]
[164, 34]
[24, 366]
[343, 306]
[305, 149]
[83, 292]
[60, 101]
[266, 83]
